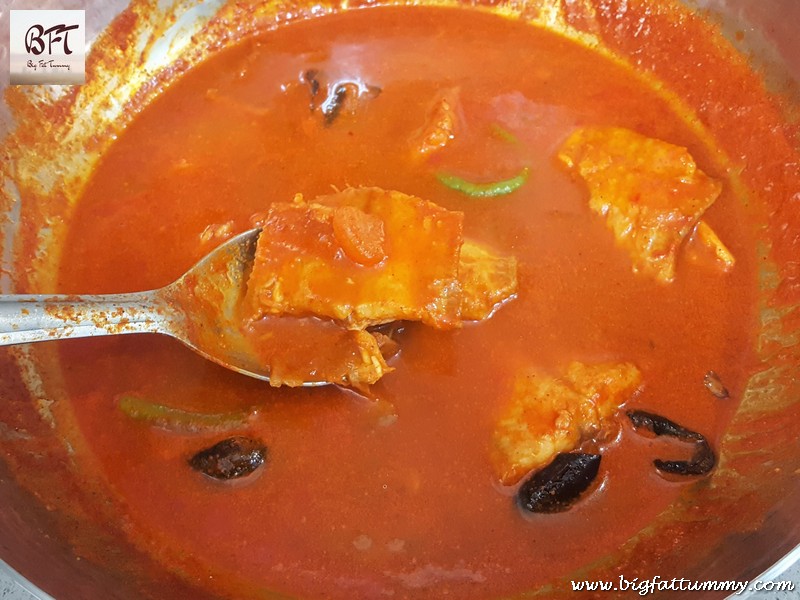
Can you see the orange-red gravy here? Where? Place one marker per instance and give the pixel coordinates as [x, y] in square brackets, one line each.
[362, 498]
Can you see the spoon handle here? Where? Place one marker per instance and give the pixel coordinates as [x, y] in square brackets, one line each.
[35, 318]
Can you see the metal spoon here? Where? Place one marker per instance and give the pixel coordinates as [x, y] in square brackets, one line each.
[201, 309]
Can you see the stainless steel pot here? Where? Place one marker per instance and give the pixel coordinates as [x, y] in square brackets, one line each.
[40, 543]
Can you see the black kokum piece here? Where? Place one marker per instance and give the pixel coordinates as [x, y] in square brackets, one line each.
[334, 102]
[556, 487]
[703, 459]
[311, 77]
[701, 463]
[661, 425]
[230, 459]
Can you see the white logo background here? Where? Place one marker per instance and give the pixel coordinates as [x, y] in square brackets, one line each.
[57, 54]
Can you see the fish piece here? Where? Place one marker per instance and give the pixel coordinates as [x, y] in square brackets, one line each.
[605, 384]
[650, 192]
[300, 350]
[487, 280]
[389, 347]
[547, 416]
[440, 126]
[306, 265]
[704, 247]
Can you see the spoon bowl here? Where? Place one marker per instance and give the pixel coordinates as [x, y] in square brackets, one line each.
[201, 309]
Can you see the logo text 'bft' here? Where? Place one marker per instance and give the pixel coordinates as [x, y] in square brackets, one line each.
[35, 38]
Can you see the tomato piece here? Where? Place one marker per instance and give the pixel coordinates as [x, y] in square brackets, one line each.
[360, 234]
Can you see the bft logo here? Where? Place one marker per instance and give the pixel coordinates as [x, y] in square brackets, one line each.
[47, 47]
[36, 36]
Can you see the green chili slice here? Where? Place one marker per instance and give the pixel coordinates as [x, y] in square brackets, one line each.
[175, 419]
[503, 134]
[484, 190]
